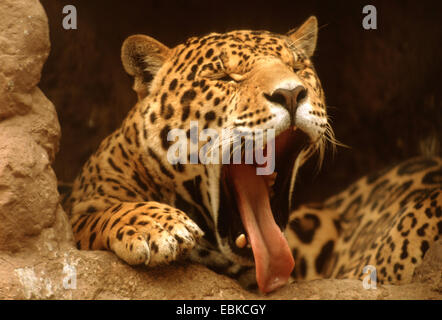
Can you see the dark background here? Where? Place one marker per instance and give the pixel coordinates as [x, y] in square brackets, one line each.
[382, 86]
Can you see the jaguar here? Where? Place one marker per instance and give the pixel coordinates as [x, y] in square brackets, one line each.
[129, 198]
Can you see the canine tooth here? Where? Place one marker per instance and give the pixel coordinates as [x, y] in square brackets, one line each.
[241, 241]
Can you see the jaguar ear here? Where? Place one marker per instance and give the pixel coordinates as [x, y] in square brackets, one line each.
[142, 57]
[305, 36]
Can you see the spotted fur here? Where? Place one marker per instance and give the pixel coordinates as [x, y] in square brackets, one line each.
[387, 220]
[129, 199]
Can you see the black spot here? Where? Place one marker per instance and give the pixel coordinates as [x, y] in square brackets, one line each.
[92, 239]
[305, 235]
[132, 220]
[404, 253]
[324, 256]
[191, 76]
[179, 67]
[188, 96]
[173, 84]
[392, 246]
[104, 225]
[209, 53]
[118, 207]
[409, 216]
[153, 117]
[92, 227]
[338, 226]
[210, 116]
[147, 76]
[128, 140]
[115, 222]
[421, 230]
[177, 237]
[123, 152]
[154, 247]
[115, 167]
[434, 196]
[82, 224]
[163, 135]
[186, 113]
[424, 247]
[397, 267]
[130, 232]
[130, 193]
[169, 112]
[163, 102]
[178, 167]
[91, 209]
[188, 54]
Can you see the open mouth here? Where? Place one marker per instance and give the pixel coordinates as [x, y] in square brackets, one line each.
[262, 203]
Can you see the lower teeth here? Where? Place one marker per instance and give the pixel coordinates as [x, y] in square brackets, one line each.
[241, 241]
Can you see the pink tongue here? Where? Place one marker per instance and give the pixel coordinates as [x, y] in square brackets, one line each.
[273, 259]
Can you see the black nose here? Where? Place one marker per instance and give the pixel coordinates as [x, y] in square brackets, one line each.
[289, 99]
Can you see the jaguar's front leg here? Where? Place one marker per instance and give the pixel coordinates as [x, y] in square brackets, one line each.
[138, 232]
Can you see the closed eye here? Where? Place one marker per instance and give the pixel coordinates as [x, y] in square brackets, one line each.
[226, 78]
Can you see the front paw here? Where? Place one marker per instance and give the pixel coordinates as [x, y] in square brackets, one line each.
[156, 237]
